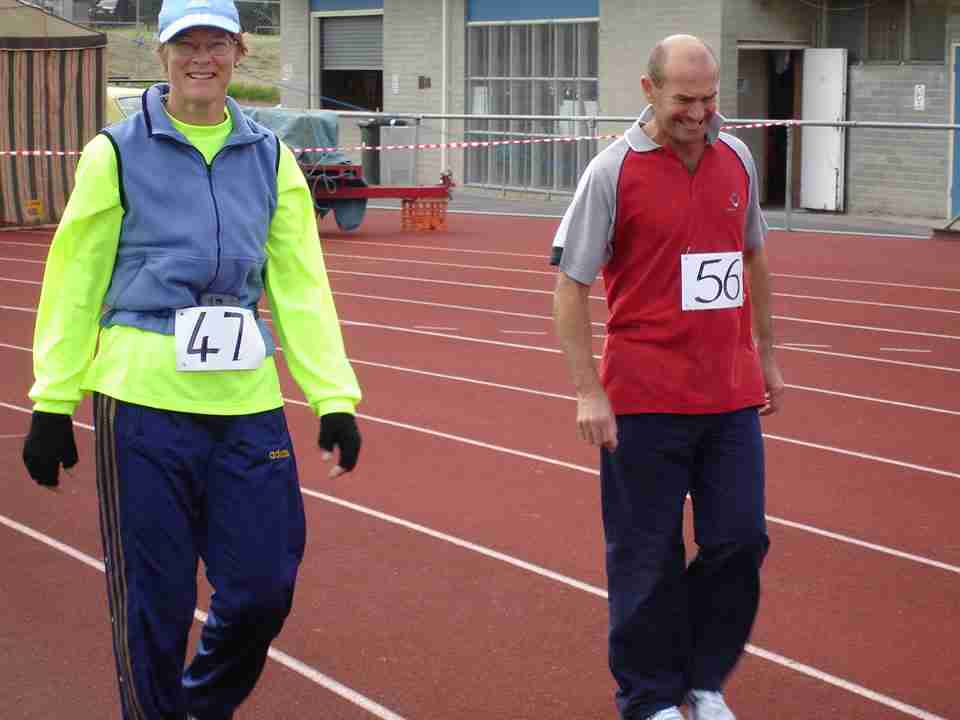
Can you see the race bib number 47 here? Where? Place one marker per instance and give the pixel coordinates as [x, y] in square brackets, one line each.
[711, 281]
[218, 338]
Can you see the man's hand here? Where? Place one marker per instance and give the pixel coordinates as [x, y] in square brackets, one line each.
[773, 381]
[340, 430]
[596, 422]
[49, 444]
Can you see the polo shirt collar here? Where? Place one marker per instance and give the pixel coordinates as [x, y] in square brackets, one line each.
[639, 141]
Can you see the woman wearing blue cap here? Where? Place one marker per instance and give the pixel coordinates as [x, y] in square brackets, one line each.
[181, 217]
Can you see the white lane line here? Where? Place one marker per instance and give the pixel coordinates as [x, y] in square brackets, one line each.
[809, 671]
[459, 266]
[869, 328]
[288, 661]
[447, 306]
[867, 282]
[15, 347]
[556, 351]
[19, 309]
[544, 256]
[806, 388]
[869, 398]
[559, 396]
[440, 328]
[860, 234]
[906, 350]
[23, 260]
[464, 338]
[524, 332]
[472, 381]
[600, 592]
[600, 298]
[433, 248]
[548, 318]
[864, 544]
[28, 411]
[24, 244]
[18, 280]
[923, 308]
[767, 655]
[865, 456]
[394, 261]
[806, 345]
[595, 473]
[455, 283]
[869, 358]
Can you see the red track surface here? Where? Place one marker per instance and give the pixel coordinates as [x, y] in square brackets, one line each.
[414, 592]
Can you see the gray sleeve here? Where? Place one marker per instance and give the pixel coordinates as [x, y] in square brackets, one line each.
[582, 243]
[755, 232]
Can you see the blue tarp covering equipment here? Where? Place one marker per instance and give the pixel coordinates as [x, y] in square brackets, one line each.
[317, 129]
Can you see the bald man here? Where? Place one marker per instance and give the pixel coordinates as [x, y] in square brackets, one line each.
[669, 213]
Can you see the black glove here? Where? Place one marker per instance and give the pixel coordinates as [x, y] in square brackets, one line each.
[340, 429]
[48, 445]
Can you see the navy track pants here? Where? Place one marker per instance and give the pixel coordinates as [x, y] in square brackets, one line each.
[178, 487]
[675, 627]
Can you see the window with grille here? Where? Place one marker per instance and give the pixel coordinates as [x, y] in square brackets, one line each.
[539, 68]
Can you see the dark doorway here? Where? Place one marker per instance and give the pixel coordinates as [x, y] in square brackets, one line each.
[784, 84]
[351, 90]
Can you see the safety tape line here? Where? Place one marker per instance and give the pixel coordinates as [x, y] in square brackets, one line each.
[418, 146]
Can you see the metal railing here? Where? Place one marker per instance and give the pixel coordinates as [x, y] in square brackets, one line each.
[592, 124]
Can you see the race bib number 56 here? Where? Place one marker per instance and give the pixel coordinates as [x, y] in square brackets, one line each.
[218, 338]
[711, 281]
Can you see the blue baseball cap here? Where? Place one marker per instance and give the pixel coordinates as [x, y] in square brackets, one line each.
[179, 15]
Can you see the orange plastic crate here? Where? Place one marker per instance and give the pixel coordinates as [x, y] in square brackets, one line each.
[423, 214]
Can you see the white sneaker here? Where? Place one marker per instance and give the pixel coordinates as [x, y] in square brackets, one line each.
[708, 705]
[670, 713]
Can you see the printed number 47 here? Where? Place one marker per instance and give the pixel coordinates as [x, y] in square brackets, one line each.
[205, 349]
[723, 284]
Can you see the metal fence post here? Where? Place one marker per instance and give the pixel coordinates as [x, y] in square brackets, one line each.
[788, 190]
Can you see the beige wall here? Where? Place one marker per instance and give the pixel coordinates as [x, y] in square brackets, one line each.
[295, 52]
[413, 47]
[629, 29]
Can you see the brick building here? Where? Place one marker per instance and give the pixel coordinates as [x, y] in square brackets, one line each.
[893, 60]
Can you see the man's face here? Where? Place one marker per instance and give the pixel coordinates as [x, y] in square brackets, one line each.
[685, 102]
[200, 64]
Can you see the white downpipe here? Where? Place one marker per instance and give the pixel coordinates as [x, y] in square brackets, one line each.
[443, 86]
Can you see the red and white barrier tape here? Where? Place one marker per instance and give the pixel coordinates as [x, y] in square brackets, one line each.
[417, 146]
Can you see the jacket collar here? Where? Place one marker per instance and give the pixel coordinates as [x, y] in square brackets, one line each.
[158, 122]
[639, 141]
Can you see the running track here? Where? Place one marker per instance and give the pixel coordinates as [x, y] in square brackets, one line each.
[458, 573]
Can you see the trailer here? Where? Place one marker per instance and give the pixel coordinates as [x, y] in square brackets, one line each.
[338, 185]
[334, 187]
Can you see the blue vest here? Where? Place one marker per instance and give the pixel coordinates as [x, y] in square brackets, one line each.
[192, 234]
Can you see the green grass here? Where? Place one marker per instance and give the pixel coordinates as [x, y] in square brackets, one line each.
[131, 53]
[250, 92]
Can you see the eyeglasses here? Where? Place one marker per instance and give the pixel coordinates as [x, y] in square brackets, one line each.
[188, 49]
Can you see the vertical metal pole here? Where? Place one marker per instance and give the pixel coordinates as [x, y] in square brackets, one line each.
[788, 196]
[416, 151]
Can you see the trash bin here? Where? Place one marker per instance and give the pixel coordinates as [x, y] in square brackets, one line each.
[370, 136]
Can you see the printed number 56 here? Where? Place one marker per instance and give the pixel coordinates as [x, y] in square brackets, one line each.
[728, 285]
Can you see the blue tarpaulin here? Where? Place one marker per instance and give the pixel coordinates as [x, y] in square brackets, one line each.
[314, 129]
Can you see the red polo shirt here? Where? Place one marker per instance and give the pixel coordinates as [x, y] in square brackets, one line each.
[644, 209]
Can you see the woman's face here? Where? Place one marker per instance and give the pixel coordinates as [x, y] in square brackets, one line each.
[200, 65]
